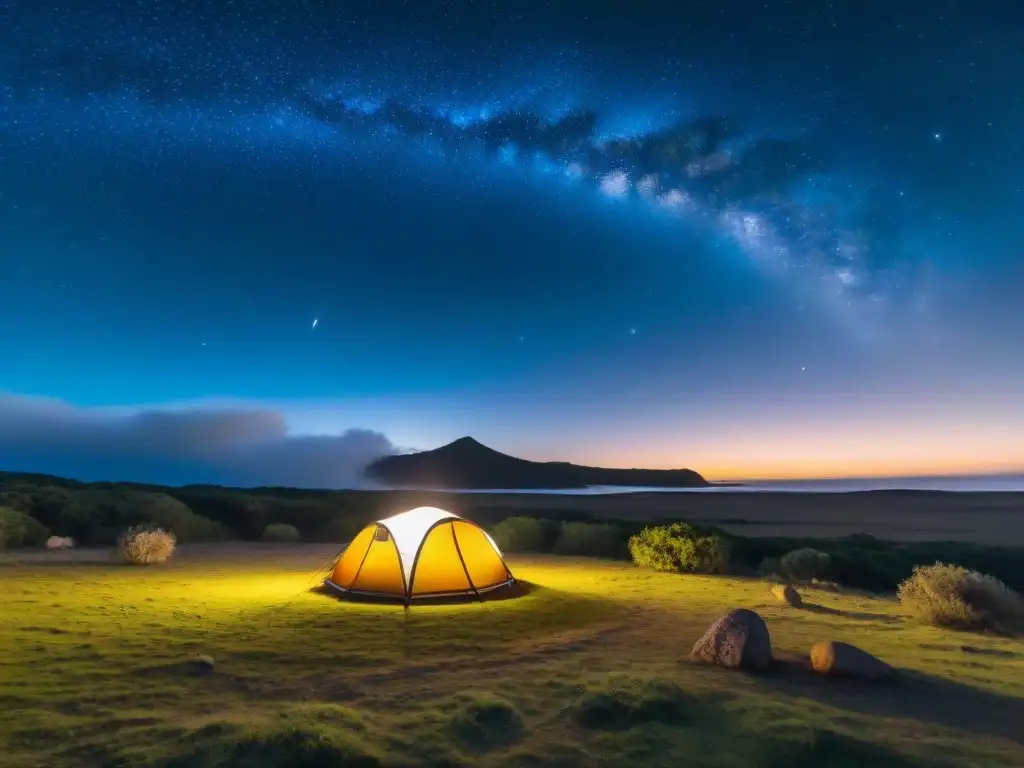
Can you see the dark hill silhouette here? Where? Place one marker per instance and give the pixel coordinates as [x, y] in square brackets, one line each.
[466, 463]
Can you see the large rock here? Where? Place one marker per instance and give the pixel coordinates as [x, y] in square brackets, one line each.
[786, 593]
[844, 660]
[740, 639]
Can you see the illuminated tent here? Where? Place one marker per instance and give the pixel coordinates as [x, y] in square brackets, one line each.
[425, 552]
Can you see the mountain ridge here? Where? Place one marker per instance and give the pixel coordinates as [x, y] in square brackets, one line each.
[466, 463]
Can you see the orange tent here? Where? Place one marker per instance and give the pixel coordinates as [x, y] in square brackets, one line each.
[425, 552]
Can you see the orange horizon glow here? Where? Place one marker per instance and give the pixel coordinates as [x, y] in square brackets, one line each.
[792, 454]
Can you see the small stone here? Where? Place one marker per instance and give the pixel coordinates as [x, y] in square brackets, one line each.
[738, 640]
[844, 660]
[786, 593]
[202, 664]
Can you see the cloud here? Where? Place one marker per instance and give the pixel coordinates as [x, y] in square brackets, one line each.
[225, 446]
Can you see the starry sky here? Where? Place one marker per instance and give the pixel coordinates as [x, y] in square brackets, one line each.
[262, 241]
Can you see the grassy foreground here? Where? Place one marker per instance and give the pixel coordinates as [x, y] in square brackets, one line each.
[588, 669]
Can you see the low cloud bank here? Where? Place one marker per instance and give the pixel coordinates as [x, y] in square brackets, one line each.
[238, 446]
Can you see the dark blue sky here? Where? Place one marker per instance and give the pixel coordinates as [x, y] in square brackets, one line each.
[758, 241]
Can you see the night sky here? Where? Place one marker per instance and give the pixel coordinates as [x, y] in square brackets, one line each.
[259, 242]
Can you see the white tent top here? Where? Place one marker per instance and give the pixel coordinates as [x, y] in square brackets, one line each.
[408, 530]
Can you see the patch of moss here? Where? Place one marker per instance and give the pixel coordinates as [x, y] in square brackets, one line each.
[815, 748]
[294, 746]
[632, 703]
[485, 724]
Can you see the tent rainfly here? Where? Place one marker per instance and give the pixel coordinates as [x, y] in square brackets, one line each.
[425, 552]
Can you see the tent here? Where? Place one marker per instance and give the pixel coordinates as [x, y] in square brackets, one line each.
[425, 552]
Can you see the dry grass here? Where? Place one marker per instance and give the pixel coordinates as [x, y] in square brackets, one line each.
[146, 545]
[587, 669]
[951, 596]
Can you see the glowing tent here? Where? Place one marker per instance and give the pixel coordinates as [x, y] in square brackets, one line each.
[425, 552]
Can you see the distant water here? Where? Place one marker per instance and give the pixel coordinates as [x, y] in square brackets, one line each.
[959, 483]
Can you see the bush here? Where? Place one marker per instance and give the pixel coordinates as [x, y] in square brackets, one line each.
[522, 534]
[146, 545]
[769, 568]
[281, 533]
[590, 540]
[804, 564]
[679, 548]
[340, 529]
[951, 596]
[199, 528]
[20, 530]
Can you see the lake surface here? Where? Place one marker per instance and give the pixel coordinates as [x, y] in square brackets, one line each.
[960, 483]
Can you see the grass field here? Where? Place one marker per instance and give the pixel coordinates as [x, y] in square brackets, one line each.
[587, 669]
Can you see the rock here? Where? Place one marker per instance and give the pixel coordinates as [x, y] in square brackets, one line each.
[201, 664]
[786, 593]
[740, 639]
[842, 659]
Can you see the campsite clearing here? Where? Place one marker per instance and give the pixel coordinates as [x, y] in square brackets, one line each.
[588, 668]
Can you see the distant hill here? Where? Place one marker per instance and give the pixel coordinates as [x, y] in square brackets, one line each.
[467, 463]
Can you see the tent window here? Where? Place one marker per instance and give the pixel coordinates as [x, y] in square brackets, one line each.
[381, 534]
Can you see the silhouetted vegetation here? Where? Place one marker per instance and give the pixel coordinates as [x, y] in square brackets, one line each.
[18, 529]
[95, 513]
[525, 534]
[281, 533]
[804, 564]
[589, 540]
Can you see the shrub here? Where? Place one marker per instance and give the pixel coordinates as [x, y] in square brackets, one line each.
[281, 533]
[18, 529]
[146, 545]
[679, 548]
[199, 528]
[590, 540]
[340, 529]
[952, 596]
[522, 534]
[804, 564]
[769, 568]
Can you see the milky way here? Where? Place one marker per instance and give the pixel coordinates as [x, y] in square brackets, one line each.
[770, 198]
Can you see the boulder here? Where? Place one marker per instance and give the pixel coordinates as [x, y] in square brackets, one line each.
[739, 640]
[786, 593]
[844, 660]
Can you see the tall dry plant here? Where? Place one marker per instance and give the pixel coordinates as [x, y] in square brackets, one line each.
[146, 545]
[952, 596]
